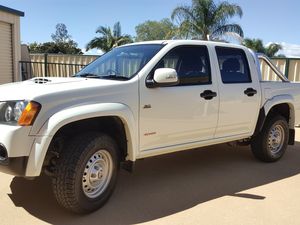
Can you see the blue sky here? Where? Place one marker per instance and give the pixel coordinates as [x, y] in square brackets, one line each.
[273, 21]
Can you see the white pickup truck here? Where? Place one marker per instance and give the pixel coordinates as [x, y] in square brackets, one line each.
[137, 101]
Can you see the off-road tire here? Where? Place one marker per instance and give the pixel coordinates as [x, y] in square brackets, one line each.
[260, 144]
[68, 174]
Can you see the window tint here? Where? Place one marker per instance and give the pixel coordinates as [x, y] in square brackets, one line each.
[123, 61]
[233, 65]
[190, 62]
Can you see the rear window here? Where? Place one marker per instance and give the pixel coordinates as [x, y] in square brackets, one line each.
[233, 65]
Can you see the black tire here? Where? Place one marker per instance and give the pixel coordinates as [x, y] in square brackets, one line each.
[261, 145]
[68, 180]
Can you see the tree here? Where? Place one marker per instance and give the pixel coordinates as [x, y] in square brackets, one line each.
[258, 46]
[205, 19]
[62, 43]
[155, 30]
[61, 34]
[109, 38]
[272, 49]
[254, 44]
[55, 48]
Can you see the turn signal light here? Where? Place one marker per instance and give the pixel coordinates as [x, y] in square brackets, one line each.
[29, 114]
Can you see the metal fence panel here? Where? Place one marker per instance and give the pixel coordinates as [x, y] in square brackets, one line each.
[290, 67]
[59, 65]
[54, 65]
[294, 70]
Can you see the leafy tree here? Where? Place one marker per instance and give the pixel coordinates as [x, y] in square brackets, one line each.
[205, 19]
[155, 30]
[258, 46]
[61, 34]
[109, 38]
[55, 48]
[62, 43]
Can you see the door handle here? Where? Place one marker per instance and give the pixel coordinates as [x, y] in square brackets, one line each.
[250, 92]
[208, 94]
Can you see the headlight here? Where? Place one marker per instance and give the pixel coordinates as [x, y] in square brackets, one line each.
[19, 112]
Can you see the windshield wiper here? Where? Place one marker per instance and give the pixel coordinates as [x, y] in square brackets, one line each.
[89, 75]
[114, 77]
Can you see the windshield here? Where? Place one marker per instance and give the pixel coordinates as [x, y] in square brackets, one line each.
[121, 63]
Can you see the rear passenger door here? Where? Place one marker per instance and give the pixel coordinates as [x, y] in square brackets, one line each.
[239, 93]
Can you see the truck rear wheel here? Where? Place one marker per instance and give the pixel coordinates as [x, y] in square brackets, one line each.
[271, 143]
[86, 172]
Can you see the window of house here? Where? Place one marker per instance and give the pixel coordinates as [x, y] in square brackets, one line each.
[233, 65]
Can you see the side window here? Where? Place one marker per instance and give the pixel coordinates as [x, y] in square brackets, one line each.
[233, 65]
[191, 63]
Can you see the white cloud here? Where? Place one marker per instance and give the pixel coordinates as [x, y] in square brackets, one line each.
[100, 52]
[92, 52]
[290, 50]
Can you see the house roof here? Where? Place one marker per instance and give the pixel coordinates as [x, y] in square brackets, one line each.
[12, 11]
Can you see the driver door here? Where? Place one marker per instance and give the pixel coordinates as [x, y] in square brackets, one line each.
[178, 115]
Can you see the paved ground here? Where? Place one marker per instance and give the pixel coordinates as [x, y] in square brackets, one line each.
[215, 185]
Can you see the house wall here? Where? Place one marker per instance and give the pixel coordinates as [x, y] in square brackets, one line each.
[14, 21]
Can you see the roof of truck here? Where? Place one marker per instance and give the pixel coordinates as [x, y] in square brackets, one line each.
[187, 42]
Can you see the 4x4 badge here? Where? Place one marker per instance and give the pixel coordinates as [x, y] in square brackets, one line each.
[147, 106]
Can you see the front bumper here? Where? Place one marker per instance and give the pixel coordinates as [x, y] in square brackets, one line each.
[15, 147]
[14, 166]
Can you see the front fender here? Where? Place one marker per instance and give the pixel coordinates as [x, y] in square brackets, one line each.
[77, 113]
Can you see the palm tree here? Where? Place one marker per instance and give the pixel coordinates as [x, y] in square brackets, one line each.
[109, 38]
[258, 46]
[205, 19]
[272, 49]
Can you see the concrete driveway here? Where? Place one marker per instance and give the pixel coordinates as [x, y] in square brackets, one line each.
[214, 185]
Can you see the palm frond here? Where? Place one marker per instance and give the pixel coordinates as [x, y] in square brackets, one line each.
[254, 44]
[99, 43]
[123, 40]
[229, 36]
[189, 25]
[228, 28]
[227, 10]
[109, 38]
[103, 30]
[272, 49]
[205, 17]
[182, 13]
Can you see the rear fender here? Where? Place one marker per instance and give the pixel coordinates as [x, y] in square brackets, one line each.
[282, 99]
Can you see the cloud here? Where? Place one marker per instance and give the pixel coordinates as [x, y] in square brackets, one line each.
[92, 52]
[290, 50]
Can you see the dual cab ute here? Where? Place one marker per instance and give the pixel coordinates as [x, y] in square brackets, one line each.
[137, 101]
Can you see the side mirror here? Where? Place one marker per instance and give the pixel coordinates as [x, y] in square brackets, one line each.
[163, 77]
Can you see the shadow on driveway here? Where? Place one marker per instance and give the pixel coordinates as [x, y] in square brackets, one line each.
[164, 185]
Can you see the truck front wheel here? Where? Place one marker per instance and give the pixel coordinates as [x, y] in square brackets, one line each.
[86, 172]
[271, 143]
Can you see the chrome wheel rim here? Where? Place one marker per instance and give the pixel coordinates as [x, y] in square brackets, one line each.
[276, 139]
[97, 174]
